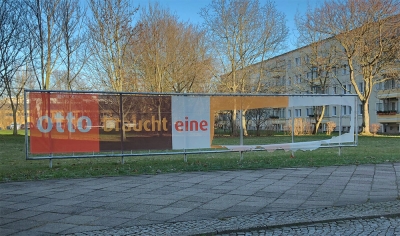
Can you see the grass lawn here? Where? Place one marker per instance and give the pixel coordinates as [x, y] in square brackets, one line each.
[14, 167]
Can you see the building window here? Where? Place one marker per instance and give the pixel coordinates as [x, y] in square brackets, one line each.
[347, 89]
[289, 64]
[334, 71]
[282, 112]
[361, 87]
[344, 110]
[282, 81]
[334, 90]
[297, 112]
[289, 82]
[318, 89]
[312, 74]
[307, 59]
[309, 111]
[326, 113]
[389, 84]
[393, 106]
[298, 61]
[289, 113]
[349, 110]
[379, 106]
[334, 112]
[345, 70]
[298, 79]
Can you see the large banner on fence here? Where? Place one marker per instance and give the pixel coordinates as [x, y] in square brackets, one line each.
[64, 122]
[69, 123]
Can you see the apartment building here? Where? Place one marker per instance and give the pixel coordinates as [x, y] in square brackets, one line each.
[302, 71]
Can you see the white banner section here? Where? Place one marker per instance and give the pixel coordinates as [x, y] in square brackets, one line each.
[190, 122]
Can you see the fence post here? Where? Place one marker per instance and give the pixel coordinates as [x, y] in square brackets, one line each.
[292, 156]
[340, 128]
[184, 155]
[26, 126]
[241, 128]
[121, 124]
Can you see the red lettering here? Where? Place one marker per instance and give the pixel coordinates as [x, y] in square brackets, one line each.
[191, 125]
[203, 125]
[194, 125]
[178, 125]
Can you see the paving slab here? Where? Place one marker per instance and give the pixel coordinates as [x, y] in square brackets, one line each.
[129, 204]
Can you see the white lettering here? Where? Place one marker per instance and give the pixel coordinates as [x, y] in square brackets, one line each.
[70, 118]
[40, 124]
[88, 124]
[59, 118]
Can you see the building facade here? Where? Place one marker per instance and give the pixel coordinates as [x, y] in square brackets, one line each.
[316, 69]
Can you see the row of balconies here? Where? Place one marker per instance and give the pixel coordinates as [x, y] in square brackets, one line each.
[392, 94]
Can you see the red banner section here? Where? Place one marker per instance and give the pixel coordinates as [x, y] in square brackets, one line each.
[72, 123]
[64, 122]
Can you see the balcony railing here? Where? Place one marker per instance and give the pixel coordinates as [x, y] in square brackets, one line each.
[392, 112]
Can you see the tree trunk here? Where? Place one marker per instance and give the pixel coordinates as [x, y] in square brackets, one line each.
[14, 111]
[244, 126]
[319, 120]
[234, 128]
[257, 130]
[365, 123]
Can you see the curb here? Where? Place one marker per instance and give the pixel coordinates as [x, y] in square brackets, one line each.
[268, 220]
[308, 216]
[303, 223]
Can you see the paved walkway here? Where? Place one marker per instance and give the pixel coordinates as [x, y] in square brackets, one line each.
[198, 202]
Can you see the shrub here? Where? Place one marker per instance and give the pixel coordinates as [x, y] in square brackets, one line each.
[374, 128]
[301, 126]
[330, 127]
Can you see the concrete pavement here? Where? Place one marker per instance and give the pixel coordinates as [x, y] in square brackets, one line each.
[197, 202]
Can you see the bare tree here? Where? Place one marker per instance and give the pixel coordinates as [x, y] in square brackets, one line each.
[271, 77]
[73, 50]
[259, 118]
[110, 32]
[243, 33]
[60, 81]
[13, 53]
[172, 56]
[46, 37]
[322, 58]
[367, 30]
